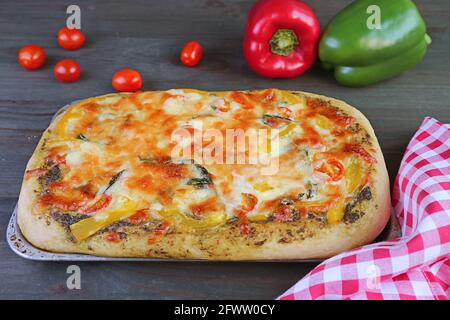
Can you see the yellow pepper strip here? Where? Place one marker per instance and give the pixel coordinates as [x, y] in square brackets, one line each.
[263, 187]
[71, 113]
[336, 212]
[188, 224]
[286, 130]
[323, 122]
[290, 97]
[87, 227]
[189, 90]
[354, 174]
[269, 145]
[258, 217]
[63, 142]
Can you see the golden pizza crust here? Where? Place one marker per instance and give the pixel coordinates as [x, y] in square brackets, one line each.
[310, 240]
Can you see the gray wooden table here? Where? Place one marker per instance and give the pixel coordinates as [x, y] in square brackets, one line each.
[147, 35]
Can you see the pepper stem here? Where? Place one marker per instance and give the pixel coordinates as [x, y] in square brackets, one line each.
[283, 42]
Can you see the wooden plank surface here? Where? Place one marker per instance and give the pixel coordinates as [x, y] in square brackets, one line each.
[147, 35]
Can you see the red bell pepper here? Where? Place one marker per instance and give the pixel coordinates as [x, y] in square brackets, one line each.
[281, 38]
[332, 167]
[103, 201]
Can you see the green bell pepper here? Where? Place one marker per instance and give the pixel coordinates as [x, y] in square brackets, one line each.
[363, 54]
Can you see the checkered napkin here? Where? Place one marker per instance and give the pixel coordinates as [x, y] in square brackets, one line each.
[415, 266]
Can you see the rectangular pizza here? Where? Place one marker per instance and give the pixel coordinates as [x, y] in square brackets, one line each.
[189, 174]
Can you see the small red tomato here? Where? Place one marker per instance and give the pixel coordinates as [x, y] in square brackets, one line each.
[70, 39]
[191, 54]
[31, 57]
[127, 80]
[67, 71]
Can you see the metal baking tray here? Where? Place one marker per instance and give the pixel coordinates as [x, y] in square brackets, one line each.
[26, 250]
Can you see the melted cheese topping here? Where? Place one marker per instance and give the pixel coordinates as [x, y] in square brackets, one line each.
[131, 134]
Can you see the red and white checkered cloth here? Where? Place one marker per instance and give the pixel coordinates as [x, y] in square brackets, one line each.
[415, 266]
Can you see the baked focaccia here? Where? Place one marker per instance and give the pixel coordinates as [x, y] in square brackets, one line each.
[105, 178]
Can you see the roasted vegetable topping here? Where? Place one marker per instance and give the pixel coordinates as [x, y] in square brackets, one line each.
[199, 183]
[113, 180]
[275, 121]
[87, 227]
[336, 212]
[204, 181]
[188, 224]
[82, 137]
[101, 203]
[354, 174]
[332, 168]
[139, 217]
[35, 172]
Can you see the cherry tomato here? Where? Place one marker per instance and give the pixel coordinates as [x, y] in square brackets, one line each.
[31, 57]
[191, 54]
[127, 80]
[70, 39]
[67, 71]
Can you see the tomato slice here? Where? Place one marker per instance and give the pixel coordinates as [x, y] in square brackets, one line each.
[35, 172]
[249, 201]
[359, 150]
[58, 159]
[139, 216]
[100, 204]
[332, 167]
